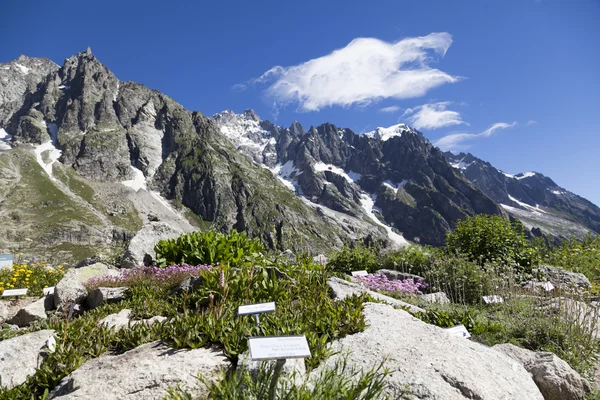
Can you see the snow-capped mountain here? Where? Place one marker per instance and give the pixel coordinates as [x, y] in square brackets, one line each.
[392, 178]
[531, 197]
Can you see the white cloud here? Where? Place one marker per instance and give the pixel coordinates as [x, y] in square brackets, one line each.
[531, 122]
[456, 141]
[365, 71]
[433, 116]
[390, 109]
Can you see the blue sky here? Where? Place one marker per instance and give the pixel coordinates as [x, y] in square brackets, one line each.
[516, 83]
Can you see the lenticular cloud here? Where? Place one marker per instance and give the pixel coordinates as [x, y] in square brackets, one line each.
[363, 72]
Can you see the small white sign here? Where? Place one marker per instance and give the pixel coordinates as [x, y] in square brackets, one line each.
[14, 292]
[6, 261]
[256, 308]
[48, 290]
[359, 273]
[459, 330]
[278, 347]
[493, 299]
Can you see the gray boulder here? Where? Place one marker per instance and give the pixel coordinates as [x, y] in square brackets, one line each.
[105, 295]
[122, 320]
[140, 250]
[560, 277]
[437, 297]
[429, 362]
[188, 285]
[399, 276]
[342, 289]
[288, 256]
[553, 376]
[20, 356]
[142, 373]
[35, 311]
[71, 287]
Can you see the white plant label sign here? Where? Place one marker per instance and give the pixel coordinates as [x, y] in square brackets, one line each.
[48, 290]
[278, 347]
[256, 308]
[493, 299]
[460, 331]
[359, 273]
[14, 292]
[6, 261]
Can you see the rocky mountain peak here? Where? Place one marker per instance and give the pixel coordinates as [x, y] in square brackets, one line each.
[251, 115]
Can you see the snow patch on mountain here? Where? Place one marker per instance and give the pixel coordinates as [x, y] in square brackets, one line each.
[23, 69]
[351, 177]
[393, 186]
[507, 175]
[287, 174]
[4, 140]
[535, 209]
[368, 204]
[46, 153]
[138, 182]
[525, 175]
[384, 134]
[461, 164]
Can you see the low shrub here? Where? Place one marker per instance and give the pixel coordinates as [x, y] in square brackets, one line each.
[355, 258]
[234, 249]
[492, 238]
[32, 276]
[412, 259]
[578, 255]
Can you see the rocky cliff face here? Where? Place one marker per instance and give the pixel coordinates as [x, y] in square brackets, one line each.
[532, 198]
[108, 156]
[392, 176]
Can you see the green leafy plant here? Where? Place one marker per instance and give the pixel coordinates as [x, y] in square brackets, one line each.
[411, 259]
[492, 238]
[234, 249]
[354, 258]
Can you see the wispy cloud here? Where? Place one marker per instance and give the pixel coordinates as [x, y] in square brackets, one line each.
[433, 116]
[390, 109]
[459, 141]
[531, 122]
[365, 71]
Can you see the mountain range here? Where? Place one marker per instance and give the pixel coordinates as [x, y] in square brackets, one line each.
[86, 160]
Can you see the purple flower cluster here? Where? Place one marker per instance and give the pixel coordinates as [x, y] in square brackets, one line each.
[171, 275]
[381, 283]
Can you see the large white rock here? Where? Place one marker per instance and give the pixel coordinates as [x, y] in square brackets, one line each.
[71, 289]
[20, 356]
[142, 373]
[142, 245]
[35, 311]
[342, 289]
[433, 364]
[555, 378]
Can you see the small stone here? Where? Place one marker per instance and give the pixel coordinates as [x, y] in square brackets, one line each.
[437, 297]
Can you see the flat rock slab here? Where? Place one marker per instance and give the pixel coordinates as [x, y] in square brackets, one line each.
[342, 289]
[432, 363]
[142, 373]
[20, 356]
[122, 320]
